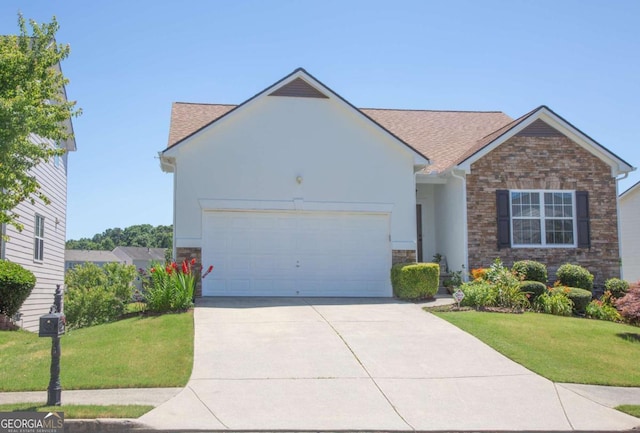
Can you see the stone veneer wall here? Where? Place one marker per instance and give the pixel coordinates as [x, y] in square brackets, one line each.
[188, 253]
[403, 256]
[544, 163]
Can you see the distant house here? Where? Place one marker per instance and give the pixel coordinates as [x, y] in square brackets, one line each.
[73, 258]
[140, 257]
[629, 204]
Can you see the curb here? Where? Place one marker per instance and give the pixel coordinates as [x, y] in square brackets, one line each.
[104, 425]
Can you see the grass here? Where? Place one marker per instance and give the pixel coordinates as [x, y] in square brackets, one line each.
[633, 410]
[140, 352]
[84, 411]
[562, 349]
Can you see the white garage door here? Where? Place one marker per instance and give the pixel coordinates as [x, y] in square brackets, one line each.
[296, 254]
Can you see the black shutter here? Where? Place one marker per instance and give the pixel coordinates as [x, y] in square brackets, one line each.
[503, 214]
[582, 219]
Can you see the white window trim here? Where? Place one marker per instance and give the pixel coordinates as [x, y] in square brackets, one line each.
[38, 238]
[543, 237]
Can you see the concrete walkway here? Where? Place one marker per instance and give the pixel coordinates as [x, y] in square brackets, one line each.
[327, 364]
[361, 364]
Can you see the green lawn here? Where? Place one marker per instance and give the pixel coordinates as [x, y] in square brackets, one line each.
[562, 349]
[137, 352]
[81, 411]
[630, 409]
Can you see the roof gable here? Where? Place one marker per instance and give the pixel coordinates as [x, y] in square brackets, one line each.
[298, 88]
[543, 122]
[299, 83]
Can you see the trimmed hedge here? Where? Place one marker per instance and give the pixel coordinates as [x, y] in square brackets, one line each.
[617, 287]
[536, 288]
[580, 298]
[530, 270]
[16, 283]
[415, 280]
[575, 276]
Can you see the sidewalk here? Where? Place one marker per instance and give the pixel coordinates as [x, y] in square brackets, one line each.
[609, 396]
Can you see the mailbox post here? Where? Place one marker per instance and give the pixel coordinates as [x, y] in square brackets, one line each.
[53, 325]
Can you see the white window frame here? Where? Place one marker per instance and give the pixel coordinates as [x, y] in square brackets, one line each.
[38, 239]
[543, 236]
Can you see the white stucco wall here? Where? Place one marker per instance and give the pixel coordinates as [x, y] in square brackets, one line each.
[20, 247]
[629, 205]
[450, 237]
[251, 159]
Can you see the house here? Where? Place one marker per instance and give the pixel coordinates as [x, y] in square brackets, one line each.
[140, 257]
[296, 192]
[629, 203]
[40, 246]
[73, 258]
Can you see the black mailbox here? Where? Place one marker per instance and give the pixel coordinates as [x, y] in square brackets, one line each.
[52, 325]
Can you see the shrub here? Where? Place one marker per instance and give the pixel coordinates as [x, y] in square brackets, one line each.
[575, 276]
[91, 306]
[97, 295]
[553, 302]
[617, 287]
[534, 288]
[479, 294]
[510, 296]
[530, 270]
[415, 281]
[578, 296]
[602, 311]
[629, 305]
[16, 283]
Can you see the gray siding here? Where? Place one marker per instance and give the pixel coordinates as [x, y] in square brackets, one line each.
[20, 247]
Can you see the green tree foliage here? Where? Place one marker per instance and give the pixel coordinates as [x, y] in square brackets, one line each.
[32, 102]
[16, 283]
[142, 235]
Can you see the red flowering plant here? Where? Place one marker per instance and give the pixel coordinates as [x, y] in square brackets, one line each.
[171, 286]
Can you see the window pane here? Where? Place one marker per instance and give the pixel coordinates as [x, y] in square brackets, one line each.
[526, 232]
[559, 232]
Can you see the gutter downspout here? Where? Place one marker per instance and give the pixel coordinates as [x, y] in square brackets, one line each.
[618, 179]
[465, 232]
[174, 167]
[3, 242]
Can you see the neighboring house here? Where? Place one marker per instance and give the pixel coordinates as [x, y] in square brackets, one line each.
[73, 258]
[629, 203]
[40, 246]
[296, 192]
[140, 257]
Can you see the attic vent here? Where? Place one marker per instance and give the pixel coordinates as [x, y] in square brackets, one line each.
[298, 88]
[539, 128]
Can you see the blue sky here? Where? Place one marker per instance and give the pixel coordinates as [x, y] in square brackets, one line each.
[131, 59]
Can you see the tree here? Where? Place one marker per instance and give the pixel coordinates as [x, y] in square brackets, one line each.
[32, 102]
[141, 235]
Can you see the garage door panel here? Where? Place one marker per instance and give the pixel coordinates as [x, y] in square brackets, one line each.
[297, 253]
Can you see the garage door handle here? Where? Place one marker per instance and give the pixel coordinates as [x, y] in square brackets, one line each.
[297, 263]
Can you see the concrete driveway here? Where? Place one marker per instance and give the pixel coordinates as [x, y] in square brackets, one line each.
[359, 364]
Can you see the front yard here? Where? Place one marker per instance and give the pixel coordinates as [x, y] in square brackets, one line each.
[139, 352]
[562, 349]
